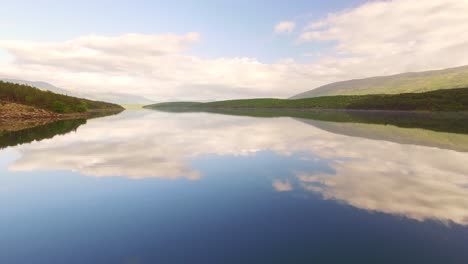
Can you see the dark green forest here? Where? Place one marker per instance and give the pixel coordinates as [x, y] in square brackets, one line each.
[58, 103]
[450, 100]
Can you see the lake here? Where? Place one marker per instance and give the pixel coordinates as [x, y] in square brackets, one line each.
[158, 187]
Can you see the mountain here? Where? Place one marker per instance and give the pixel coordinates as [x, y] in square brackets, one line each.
[120, 98]
[27, 102]
[116, 98]
[414, 82]
[41, 85]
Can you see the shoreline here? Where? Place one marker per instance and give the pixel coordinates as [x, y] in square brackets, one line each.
[450, 100]
[281, 109]
[19, 113]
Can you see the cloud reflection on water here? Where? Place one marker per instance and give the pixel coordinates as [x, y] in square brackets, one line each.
[415, 181]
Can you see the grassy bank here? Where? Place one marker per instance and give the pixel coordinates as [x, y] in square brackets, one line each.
[46, 100]
[452, 100]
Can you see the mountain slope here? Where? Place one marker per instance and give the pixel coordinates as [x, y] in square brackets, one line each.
[116, 98]
[395, 84]
[23, 98]
[120, 98]
[40, 85]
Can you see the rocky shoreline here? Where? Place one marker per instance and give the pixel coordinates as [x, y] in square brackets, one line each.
[13, 112]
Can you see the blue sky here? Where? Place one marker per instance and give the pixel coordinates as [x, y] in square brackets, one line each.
[229, 28]
[207, 50]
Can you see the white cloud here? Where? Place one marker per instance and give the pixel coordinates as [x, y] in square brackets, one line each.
[377, 38]
[285, 27]
[398, 35]
[158, 67]
[282, 185]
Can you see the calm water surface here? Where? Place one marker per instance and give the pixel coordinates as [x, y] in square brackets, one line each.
[153, 187]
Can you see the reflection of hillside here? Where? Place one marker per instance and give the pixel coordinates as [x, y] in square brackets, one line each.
[436, 121]
[26, 131]
[441, 130]
[22, 133]
[415, 136]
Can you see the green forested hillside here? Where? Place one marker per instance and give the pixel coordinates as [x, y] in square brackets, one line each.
[395, 84]
[441, 100]
[27, 95]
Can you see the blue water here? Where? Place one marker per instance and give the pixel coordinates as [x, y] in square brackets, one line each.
[151, 187]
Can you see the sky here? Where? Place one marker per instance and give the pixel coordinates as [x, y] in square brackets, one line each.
[213, 50]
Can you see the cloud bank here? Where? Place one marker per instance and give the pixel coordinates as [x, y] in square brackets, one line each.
[377, 38]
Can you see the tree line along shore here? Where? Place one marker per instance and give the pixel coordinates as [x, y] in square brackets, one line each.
[449, 100]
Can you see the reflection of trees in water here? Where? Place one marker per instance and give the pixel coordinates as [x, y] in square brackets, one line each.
[434, 129]
[437, 121]
[37, 133]
[22, 132]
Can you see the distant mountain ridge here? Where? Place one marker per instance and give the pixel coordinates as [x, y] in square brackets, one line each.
[116, 98]
[40, 85]
[412, 82]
